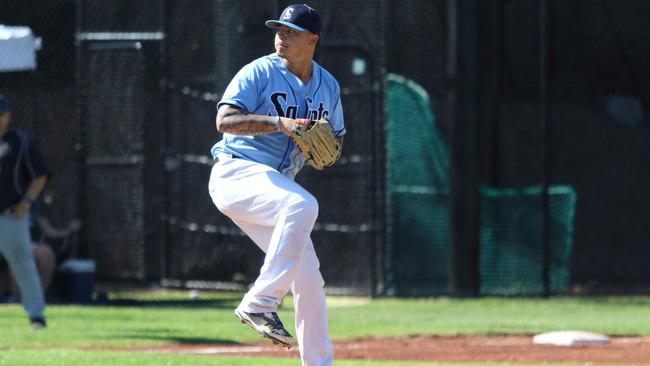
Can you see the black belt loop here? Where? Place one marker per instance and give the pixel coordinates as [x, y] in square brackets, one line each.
[231, 156]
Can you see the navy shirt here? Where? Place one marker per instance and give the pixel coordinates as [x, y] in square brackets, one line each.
[21, 161]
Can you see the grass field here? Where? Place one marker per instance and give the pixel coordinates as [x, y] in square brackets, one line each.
[81, 335]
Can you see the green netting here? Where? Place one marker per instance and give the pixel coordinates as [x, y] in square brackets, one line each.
[512, 240]
[418, 181]
[417, 155]
[419, 252]
[511, 226]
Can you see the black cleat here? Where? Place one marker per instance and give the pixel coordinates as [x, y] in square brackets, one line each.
[268, 325]
[38, 322]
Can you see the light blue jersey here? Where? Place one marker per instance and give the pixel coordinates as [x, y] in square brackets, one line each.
[267, 87]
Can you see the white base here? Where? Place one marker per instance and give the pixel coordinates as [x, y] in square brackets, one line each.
[570, 338]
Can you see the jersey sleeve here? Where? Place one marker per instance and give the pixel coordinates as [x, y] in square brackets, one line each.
[336, 118]
[244, 89]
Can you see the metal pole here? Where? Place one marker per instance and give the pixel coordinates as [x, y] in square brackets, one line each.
[378, 243]
[544, 127]
[85, 250]
[452, 50]
[462, 99]
[164, 90]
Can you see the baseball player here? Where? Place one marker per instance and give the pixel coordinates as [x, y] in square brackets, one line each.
[252, 179]
[23, 174]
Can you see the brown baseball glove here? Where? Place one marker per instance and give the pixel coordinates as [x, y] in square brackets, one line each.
[317, 143]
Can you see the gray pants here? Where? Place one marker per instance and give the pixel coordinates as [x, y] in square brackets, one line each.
[16, 248]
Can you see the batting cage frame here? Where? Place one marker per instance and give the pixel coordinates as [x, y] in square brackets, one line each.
[148, 112]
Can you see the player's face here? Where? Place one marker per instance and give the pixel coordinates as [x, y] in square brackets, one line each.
[4, 122]
[290, 43]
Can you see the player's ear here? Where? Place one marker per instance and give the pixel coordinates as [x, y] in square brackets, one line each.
[314, 39]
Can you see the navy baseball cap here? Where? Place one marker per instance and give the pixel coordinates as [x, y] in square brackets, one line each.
[4, 104]
[300, 17]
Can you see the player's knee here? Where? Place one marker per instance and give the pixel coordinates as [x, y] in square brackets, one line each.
[311, 207]
[305, 206]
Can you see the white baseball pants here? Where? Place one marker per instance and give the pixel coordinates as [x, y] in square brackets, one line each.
[278, 215]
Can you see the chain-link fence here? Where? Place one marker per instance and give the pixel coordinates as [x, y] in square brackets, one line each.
[598, 125]
[193, 49]
[43, 98]
[123, 103]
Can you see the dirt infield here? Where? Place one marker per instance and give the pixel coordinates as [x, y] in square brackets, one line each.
[621, 350]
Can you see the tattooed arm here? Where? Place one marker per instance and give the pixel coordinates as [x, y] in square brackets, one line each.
[236, 121]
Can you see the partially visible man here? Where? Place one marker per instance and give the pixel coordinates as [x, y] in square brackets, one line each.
[23, 174]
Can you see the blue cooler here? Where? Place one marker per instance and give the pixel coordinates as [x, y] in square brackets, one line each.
[76, 280]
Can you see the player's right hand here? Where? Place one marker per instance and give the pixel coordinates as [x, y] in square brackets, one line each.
[286, 124]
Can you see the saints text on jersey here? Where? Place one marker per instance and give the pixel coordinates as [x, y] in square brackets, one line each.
[279, 101]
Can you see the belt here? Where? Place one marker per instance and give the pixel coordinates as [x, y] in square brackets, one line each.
[224, 156]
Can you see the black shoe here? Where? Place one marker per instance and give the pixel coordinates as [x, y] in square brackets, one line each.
[38, 322]
[268, 325]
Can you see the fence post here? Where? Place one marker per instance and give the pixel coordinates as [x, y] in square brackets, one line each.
[464, 167]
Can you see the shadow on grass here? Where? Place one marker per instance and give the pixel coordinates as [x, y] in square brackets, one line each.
[230, 302]
[177, 339]
[162, 303]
